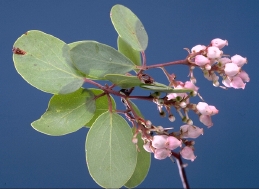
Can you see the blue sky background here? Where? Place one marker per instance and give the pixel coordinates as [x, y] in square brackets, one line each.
[227, 153]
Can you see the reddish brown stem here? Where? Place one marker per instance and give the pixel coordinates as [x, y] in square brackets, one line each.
[184, 62]
[181, 169]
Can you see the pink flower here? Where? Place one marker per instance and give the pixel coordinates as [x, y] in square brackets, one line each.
[198, 48]
[244, 76]
[159, 141]
[190, 85]
[224, 60]
[238, 60]
[231, 69]
[226, 82]
[162, 153]
[147, 147]
[172, 143]
[214, 52]
[190, 131]
[206, 120]
[219, 43]
[237, 83]
[205, 109]
[201, 60]
[187, 153]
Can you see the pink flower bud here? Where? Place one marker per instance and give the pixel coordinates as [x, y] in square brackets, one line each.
[226, 82]
[244, 76]
[224, 60]
[214, 52]
[238, 60]
[205, 109]
[147, 147]
[198, 48]
[206, 120]
[190, 85]
[172, 143]
[201, 60]
[231, 69]
[159, 141]
[237, 83]
[162, 153]
[190, 131]
[219, 43]
[187, 153]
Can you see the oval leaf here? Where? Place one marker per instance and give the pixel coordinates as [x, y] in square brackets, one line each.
[129, 27]
[142, 167]
[123, 81]
[101, 105]
[128, 51]
[46, 63]
[143, 159]
[97, 59]
[163, 88]
[111, 155]
[66, 113]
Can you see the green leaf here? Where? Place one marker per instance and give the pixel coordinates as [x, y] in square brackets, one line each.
[163, 88]
[97, 59]
[101, 105]
[66, 113]
[129, 27]
[143, 159]
[142, 167]
[128, 51]
[123, 81]
[46, 63]
[111, 155]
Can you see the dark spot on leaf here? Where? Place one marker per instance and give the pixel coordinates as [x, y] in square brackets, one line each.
[35, 64]
[26, 33]
[18, 51]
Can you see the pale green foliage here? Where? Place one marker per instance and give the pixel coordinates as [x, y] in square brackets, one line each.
[66, 113]
[111, 156]
[53, 66]
[46, 64]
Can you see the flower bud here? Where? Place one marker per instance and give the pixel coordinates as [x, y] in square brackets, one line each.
[190, 131]
[206, 120]
[238, 60]
[187, 153]
[159, 141]
[219, 43]
[231, 69]
[244, 76]
[237, 83]
[172, 143]
[162, 153]
[198, 48]
[214, 52]
[201, 60]
[147, 147]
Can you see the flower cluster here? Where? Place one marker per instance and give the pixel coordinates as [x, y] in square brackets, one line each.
[212, 60]
[162, 144]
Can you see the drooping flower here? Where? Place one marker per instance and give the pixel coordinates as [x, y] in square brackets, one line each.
[190, 131]
[238, 60]
[162, 153]
[219, 43]
[172, 143]
[214, 52]
[187, 153]
[231, 69]
[206, 109]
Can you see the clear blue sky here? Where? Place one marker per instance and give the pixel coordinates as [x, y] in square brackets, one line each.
[227, 153]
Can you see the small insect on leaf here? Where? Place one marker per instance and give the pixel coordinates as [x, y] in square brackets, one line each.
[18, 51]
